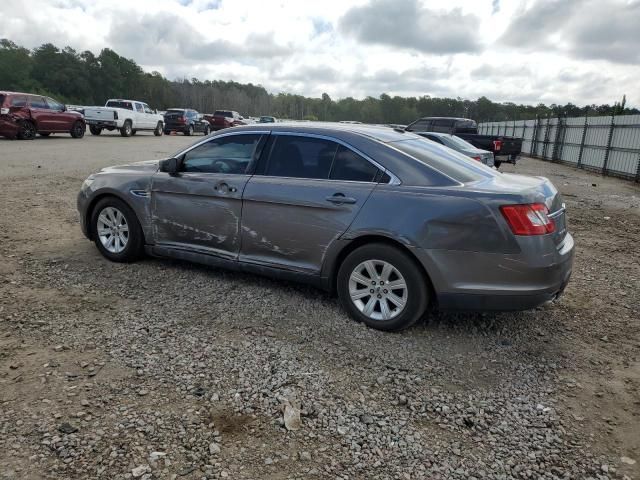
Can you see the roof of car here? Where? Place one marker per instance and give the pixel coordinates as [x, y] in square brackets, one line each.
[380, 133]
[448, 118]
[4, 92]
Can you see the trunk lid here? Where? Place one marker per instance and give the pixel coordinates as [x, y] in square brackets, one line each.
[528, 189]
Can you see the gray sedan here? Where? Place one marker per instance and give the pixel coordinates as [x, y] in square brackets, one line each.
[391, 222]
[460, 145]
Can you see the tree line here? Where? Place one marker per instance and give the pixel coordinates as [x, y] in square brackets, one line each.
[82, 78]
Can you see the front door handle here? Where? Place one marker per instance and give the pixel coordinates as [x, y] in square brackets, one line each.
[224, 187]
[339, 199]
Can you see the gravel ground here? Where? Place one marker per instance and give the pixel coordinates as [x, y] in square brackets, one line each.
[169, 370]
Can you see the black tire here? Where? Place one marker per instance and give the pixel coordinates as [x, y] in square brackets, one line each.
[159, 129]
[78, 129]
[497, 163]
[189, 131]
[44, 134]
[417, 291]
[134, 247]
[205, 132]
[127, 129]
[27, 130]
[95, 130]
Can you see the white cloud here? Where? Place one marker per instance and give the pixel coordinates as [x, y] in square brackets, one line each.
[521, 51]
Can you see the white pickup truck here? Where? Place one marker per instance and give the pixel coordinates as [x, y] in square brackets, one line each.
[128, 116]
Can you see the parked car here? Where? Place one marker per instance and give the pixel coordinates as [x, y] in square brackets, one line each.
[23, 115]
[224, 119]
[391, 222]
[459, 145]
[185, 120]
[128, 116]
[267, 119]
[505, 149]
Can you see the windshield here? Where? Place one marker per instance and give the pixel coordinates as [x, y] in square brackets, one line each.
[454, 141]
[223, 113]
[453, 164]
[119, 104]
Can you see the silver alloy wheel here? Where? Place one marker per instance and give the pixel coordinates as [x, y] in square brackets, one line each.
[378, 289]
[113, 230]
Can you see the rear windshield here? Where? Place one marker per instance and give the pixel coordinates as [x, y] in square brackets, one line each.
[118, 104]
[223, 113]
[175, 110]
[458, 142]
[453, 164]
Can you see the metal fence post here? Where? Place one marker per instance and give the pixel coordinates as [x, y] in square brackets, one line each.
[534, 138]
[555, 156]
[584, 135]
[608, 149]
[545, 142]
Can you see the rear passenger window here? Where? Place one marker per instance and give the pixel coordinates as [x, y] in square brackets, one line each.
[301, 157]
[348, 165]
[442, 126]
[18, 101]
[419, 126]
[230, 154]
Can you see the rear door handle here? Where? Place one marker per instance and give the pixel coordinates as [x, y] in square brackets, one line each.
[339, 198]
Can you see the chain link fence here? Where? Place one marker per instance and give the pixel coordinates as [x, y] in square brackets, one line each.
[608, 145]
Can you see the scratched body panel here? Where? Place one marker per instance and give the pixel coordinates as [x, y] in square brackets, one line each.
[288, 221]
[198, 211]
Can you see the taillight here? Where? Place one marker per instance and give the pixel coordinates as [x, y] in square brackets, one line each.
[497, 145]
[529, 219]
[477, 158]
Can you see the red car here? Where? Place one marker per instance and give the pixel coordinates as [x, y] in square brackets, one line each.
[224, 119]
[23, 115]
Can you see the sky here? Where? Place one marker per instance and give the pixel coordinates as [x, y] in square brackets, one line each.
[522, 51]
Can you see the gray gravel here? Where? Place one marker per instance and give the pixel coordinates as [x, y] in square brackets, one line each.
[166, 369]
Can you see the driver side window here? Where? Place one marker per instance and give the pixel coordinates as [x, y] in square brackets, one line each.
[231, 154]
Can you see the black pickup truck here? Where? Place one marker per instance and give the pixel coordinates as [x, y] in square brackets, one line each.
[505, 149]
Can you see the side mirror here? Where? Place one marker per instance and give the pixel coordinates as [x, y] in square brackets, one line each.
[169, 165]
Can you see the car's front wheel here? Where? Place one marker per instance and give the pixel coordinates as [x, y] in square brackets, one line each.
[206, 130]
[189, 131]
[78, 129]
[116, 230]
[383, 287]
[159, 129]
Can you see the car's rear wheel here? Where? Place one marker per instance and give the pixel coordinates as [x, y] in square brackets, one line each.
[116, 230]
[127, 129]
[159, 129]
[95, 130]
[383, 287]
[78, 129]
[27, 130]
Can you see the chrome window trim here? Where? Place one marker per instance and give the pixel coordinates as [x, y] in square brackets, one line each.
[226, 134]
[394, 179]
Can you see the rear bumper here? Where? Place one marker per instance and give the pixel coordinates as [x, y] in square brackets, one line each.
[176, 127]
[490, 281]
[8, 127]
[101, 123]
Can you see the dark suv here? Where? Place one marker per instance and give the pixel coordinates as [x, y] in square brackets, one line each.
[23, 115]
[186, 121]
